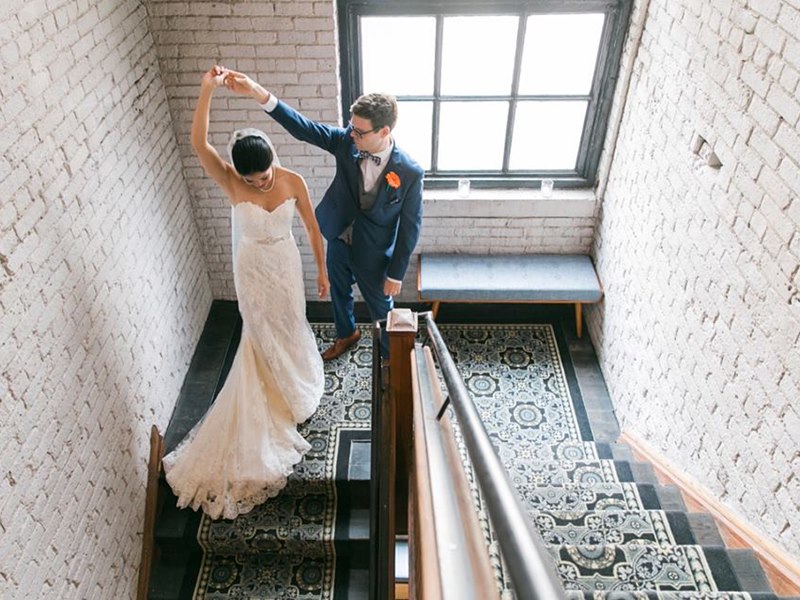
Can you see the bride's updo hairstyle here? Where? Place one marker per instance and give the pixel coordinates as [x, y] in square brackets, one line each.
[251, 154]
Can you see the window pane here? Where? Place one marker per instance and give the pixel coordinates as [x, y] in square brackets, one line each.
[478, 55]
[413, 130]
[547, 135]
[472, 135]
[397, 54]
[560, 53]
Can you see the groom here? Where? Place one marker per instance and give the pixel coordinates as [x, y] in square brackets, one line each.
[371, 213]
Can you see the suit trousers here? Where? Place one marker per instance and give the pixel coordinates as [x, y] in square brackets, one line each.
[343, 273]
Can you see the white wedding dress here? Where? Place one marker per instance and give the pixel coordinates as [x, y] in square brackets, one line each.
[244, 448]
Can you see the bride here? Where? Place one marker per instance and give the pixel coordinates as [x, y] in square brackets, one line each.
[244, 448]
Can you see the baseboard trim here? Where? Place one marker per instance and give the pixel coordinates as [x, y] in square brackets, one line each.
[781, 569]
[150, 510]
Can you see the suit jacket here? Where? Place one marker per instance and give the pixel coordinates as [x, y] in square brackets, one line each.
[384, 236]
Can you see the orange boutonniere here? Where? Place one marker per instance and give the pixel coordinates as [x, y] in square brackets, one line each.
[392, 180]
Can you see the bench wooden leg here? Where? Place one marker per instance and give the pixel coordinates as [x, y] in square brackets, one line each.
[435, 308]
[578, 319]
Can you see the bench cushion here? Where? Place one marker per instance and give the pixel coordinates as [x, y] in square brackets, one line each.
[513, 278]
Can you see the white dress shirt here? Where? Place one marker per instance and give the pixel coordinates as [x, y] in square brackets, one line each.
[370, 171]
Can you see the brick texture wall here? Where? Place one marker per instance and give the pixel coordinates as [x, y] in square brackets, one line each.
[103, 292]
[287, 46]
[290, 47]
[700, 327]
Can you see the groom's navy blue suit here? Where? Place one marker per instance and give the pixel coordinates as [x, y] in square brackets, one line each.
[383, 237]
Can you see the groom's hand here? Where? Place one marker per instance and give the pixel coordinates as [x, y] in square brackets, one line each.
[239, 83]
[215, 76]
[391, 287]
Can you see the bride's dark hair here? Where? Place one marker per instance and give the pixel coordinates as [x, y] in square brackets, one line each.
[251, 154]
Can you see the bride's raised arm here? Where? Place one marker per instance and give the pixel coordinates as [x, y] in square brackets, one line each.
[210, 160]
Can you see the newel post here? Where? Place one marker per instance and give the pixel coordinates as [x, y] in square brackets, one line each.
[401, 326]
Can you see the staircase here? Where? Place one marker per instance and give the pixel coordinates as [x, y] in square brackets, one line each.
[309, 542]
[612, 529]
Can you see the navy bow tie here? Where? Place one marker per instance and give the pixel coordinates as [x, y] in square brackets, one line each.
[369, 155]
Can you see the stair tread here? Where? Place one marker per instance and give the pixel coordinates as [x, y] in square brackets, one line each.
[615, 526]
[210, 360]
[568, 450]
[172, 577]
[660, 595]
[279, 540]
[610, 494]
[675, 567]
[749, 572]
[588, 471]
[625, 528]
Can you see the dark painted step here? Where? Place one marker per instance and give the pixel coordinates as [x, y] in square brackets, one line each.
[614, 451]
[664, 568]
[176, 529]
[177, 553]
[597, 405]
[175, 577]
[208, 368]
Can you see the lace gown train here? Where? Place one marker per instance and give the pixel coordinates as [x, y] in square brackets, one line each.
[244, 448]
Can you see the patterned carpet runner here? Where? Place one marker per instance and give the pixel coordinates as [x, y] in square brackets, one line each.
[608, 531]
[604, 531]
[286, 547]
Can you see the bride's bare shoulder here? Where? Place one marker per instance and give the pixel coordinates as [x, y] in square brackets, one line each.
[283, 171]
[292, 177]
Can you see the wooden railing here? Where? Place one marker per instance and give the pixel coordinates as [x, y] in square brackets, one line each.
[391, 443]
[447, 549]
[382, 477]
[150, 512]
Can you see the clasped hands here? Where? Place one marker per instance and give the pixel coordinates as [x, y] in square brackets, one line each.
[239, 83]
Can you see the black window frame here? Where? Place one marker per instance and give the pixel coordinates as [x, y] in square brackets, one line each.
[599, 98]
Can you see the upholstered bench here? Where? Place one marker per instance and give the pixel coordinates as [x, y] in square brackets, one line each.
[534, 278]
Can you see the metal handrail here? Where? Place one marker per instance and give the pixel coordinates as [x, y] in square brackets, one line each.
[529, 565]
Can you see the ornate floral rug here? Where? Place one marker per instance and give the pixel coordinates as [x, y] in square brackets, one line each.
[587, 506]
[286, 548]
[584, 504]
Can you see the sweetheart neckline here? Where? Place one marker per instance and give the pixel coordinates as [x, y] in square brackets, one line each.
[258, 206]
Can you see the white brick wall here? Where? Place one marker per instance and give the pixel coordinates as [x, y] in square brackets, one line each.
[287, 46]
[700, 327]
[103, 292]
[290, 47]
[103, 285]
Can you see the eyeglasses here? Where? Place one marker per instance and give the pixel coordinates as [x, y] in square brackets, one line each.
[360, 134]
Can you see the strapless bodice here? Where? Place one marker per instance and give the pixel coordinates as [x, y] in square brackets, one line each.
[258, 224]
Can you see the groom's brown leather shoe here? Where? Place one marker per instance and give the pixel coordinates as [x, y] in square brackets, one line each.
[340, 345]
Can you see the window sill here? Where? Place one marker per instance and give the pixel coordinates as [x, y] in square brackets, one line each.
[510, 203]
